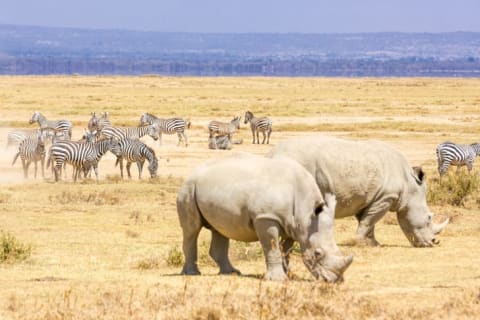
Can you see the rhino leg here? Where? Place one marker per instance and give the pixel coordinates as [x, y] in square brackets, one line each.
[367, 220]
[219, 253]
[287, 246]
[268, 234]
[190, 251]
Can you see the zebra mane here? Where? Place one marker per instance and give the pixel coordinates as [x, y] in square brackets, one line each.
[150, 115]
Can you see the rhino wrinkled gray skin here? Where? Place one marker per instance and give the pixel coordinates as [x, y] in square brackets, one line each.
[251, 198]
[368, 178]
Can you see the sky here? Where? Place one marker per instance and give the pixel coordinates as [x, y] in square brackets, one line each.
[242, 16]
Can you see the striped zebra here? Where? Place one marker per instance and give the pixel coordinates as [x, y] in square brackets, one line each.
[449, 153]
[167, 126]
[32, 149]
[132, 150]
[61, 126]
[97, 124]
[261, 124]
[15, 137]
[120, 133]
[82, 156]
[223, 128]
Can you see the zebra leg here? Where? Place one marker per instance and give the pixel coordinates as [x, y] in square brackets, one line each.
[186, 139]
[120, 161]
[253, 136]
[35, 164]
[258, 138]
[219, 253]
[25, 168]
[42, 164]
[128, 169]
[264, 137]
[140, 168]
[268, 136]
[469, 166]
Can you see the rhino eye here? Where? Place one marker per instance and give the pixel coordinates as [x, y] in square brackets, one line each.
[318, 209]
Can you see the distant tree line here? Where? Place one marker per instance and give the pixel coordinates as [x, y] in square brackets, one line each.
[298, 66]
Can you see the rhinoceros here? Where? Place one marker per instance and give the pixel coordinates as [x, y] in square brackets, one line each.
[253, 198]
[368, 178]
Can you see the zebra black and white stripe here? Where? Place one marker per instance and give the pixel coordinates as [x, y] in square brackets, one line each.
[79, 155]
[132, 150]
[120, 133]
[64, 127]
[167, 126]
[32, 149]
[261, 124]
[15, 137]
[449, 153]
[223, 128]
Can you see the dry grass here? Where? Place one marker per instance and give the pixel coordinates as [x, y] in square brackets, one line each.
[111, 250]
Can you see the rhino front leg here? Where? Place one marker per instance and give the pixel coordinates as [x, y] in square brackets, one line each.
[268, 234]
[219, 253]
[367, 220]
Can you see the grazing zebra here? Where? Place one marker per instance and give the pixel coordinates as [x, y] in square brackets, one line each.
[262, 124]
[167, 126]
[449, 153]
[120, 133]
[133, 150]
[62, 126]
[15, 137]
[79, 155]
[223, 128]
[32, 149]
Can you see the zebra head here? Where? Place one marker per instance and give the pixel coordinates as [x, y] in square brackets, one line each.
[236, 122]
[153, 166]
[89, 136]
[144, 120]
[154, 131]
[476, 148]
[93, 122]
[35, 117]
[248, 117]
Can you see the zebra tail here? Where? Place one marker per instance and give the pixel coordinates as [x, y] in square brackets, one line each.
[15, 158]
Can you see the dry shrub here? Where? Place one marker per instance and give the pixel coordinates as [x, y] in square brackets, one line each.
[12, 250]
[96, 198]
[175, 257]
[246, 250]
[454, 188]
[132, 234]
[5, 198]
[148, 263]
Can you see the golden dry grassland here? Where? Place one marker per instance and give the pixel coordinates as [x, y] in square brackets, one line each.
[112, 250]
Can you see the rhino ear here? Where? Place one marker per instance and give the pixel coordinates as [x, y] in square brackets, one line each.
[319, 209]
[419, 174]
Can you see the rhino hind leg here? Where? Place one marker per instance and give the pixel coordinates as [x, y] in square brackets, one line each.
[219, 252]
[268, 234]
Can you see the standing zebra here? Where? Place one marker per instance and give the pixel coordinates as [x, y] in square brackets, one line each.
[97, 124]
[79, 155]
[62, 126]
[131, 132]
[32, 149]
[449, 153]
[262, 124]
[167, 126]
[15, 137]
[223, 128]
[136, 151]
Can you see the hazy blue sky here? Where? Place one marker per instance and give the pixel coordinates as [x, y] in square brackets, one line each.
[316, 16]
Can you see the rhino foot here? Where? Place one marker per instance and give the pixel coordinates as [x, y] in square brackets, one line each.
[190, 271]
[276, 275]
[369, 242]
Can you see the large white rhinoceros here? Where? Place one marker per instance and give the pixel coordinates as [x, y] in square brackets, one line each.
[250, 198]
[368, 178]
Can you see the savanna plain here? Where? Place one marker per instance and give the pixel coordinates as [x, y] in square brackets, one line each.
[112, 249]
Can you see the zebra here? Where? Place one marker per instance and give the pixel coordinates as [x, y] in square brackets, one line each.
[62, 126]
[32, 149]
[449, 153]
[15, 137]
[79, 155]
[261, 124]
[97, 124]
[224, 128]
[130, 132]
[133, 150]
[167, 126]
[222, 142]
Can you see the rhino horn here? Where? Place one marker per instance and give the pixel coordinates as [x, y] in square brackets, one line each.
[437, 228]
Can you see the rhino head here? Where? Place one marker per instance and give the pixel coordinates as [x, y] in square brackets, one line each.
[321, 255]
[414, 217]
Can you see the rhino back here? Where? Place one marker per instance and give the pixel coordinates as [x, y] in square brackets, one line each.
[232, 192]
[357, 172]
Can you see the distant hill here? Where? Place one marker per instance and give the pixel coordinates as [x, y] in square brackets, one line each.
[40, 50]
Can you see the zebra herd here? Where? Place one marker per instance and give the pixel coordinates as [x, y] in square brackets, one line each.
[101, 136]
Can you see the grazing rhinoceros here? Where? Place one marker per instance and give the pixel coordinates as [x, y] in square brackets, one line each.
[250, 198]
[368, 178]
